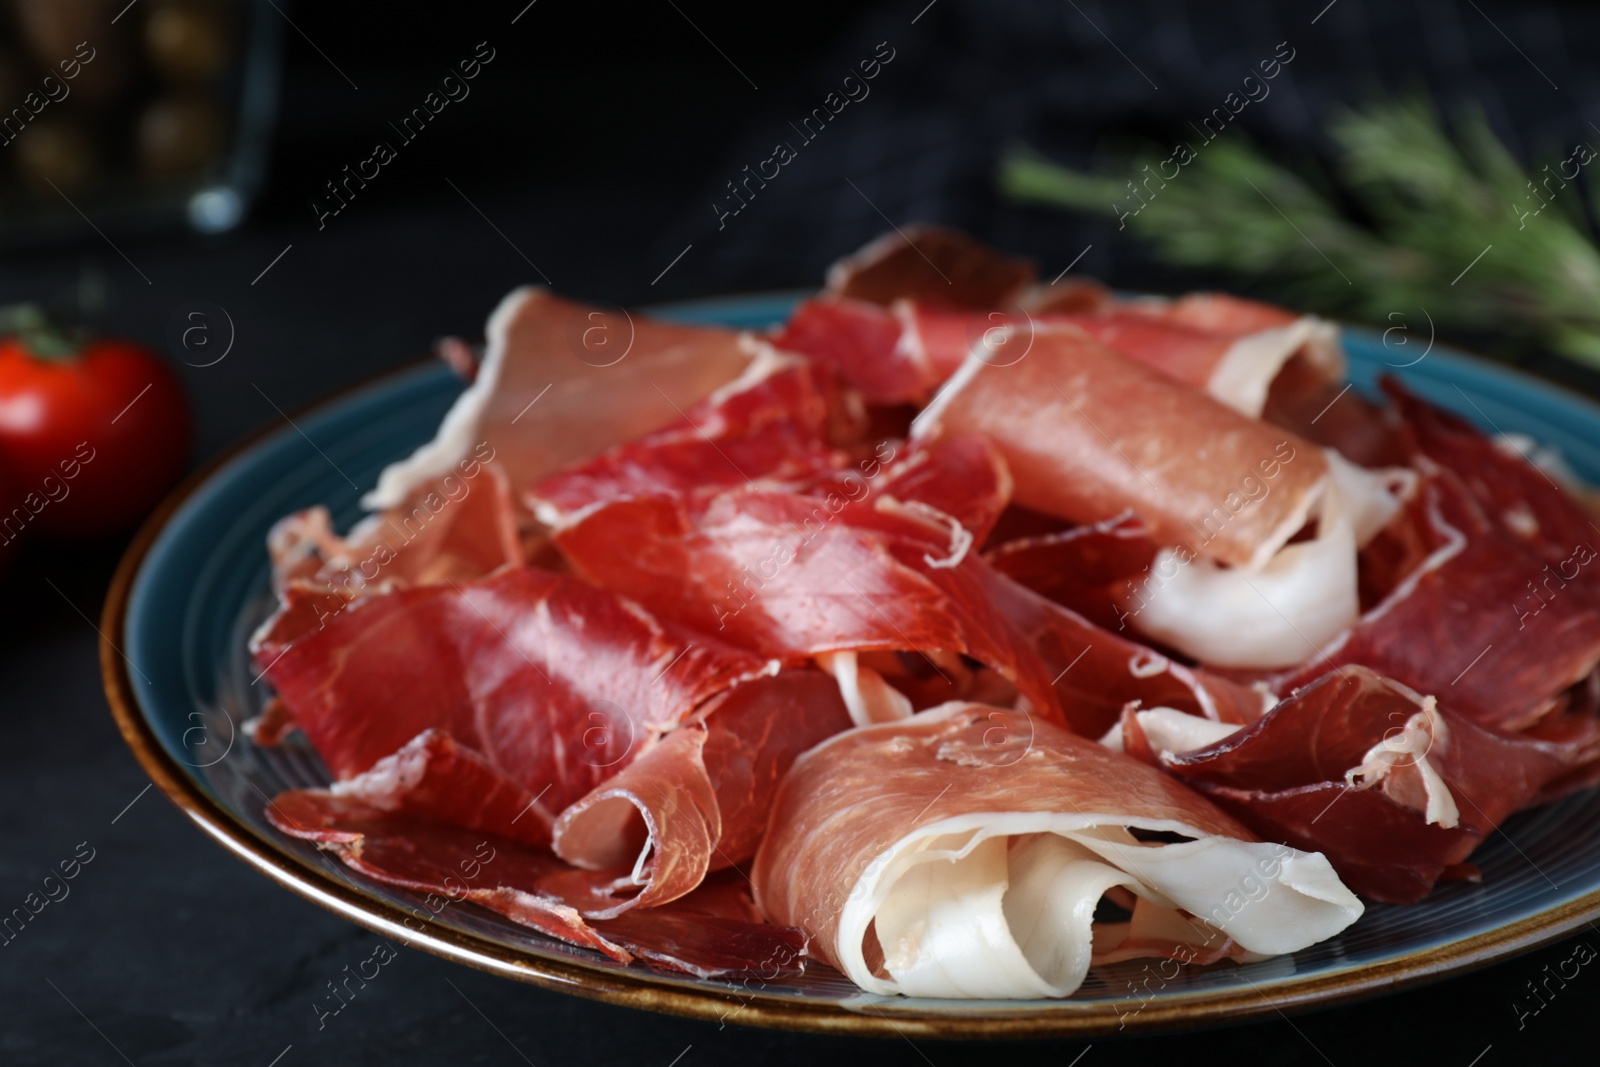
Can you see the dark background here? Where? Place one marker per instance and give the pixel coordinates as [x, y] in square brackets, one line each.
[594, 145]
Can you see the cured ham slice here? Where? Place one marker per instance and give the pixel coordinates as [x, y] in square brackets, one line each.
[860, 342]
[1266, 339]
[439, 859]
[905, 351]
[609, 375]
[1087, 568]
[698, 801]
[461, 530]
[432, 777]
[1501, 616]
[792, 577]
[957, 855]
[1395, 788]
[963, 480]
[897, 318]
[929, 264]
[1085, 432]
[1089, 436]
[707, 934]
[769, 426]
[555, 684]
[1235, 367]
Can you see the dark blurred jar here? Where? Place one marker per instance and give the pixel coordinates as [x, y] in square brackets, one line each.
[141, 115]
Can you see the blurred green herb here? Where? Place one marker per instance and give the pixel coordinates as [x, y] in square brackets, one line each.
[1451, 223]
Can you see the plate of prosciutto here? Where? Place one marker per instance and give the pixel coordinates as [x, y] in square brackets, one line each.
[943, 652]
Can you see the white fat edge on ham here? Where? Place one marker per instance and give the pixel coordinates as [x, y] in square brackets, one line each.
[1001, 904]
[961, 539]
[867, 696]
[926, 424]
[1242, 378]
[387, 781]
[1171, 732]
[765, 360]
[1401, 763]
[458, 433]
[1281, 612]
[910, 345]
[382, 784]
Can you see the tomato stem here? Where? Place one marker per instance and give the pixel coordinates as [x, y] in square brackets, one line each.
[36, 332]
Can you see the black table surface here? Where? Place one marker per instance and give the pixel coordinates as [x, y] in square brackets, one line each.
[168, 951]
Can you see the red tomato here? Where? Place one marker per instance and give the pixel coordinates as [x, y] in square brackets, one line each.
[93, 439]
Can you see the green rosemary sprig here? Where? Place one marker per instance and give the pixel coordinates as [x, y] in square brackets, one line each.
[1450, 222]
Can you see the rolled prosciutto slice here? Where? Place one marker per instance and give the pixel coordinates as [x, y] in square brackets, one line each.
[698, 801]
[965, 852]
[1086, 431]
[1394, 787]
[1089, 436]
[1235, 351]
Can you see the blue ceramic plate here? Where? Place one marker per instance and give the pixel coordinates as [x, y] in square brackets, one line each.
[196, 583]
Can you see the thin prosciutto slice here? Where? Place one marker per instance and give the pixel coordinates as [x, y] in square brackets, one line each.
[963, 481]
[905, 351]
[461, 530]
[1086, 431]
[963, 853]
[1089, 436]
[772, 425]
[561, 382]
[788, 575]
[453, 510]
[1499, 615]
[553, 683]
[898, 317]
[710, 933]
[1236, 354]
[932, 264]
[1395, 788]
[698, 801]
[532, 695]
[861, 342]
[433, 777]
[1086, 568]
[792, 576]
